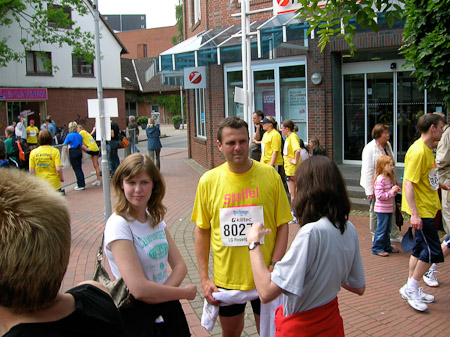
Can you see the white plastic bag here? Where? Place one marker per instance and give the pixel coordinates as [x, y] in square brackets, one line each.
[65, 162]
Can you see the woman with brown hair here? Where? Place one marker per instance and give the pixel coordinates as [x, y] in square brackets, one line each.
[140, 248]
[323, 257]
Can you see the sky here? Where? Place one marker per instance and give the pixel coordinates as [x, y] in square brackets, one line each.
[159, 13]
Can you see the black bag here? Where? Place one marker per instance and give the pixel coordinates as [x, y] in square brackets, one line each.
[21, 150]
[398, 211]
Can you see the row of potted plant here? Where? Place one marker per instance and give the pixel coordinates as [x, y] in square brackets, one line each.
[143, 121]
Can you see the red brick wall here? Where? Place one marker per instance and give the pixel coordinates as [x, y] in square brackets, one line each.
[156, 39]
[66, 105]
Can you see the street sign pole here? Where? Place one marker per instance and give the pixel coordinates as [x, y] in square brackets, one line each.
[101, 105]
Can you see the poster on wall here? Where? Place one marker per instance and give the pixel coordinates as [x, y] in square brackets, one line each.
[297, 104]
[268, 98]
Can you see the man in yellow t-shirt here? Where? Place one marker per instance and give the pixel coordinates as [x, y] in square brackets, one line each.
[32, 133]
[420, 199]
[45, 161]
[229, 199]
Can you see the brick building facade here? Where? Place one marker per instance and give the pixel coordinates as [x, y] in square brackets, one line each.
[355, 92]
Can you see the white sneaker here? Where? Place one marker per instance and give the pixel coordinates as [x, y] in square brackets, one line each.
[430, 278]
[96, 183]
[414, 298]
[76, 188]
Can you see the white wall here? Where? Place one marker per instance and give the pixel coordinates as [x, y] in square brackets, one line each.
[14, 75]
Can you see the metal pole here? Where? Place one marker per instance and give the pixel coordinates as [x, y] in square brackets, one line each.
[244, 57]
[101, 106]
[249, 64]
[182, 109]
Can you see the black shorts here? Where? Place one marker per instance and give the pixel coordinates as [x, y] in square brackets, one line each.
[92, 153]
[428, 247]
[237, 309]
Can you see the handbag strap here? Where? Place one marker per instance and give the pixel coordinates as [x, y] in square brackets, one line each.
[100, 249]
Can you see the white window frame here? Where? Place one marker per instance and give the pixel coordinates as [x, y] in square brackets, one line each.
[200, 123]
[197, 11]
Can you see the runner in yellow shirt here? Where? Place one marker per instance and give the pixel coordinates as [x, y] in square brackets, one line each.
[32, 134]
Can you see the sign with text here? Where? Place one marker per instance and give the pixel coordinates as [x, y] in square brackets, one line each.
[195, 78]
[23, 94]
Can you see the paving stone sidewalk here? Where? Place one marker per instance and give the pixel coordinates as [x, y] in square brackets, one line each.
[380, 312]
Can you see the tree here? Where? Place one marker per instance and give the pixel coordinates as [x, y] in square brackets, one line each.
[426, 38]
[179, 16]
[44, 22]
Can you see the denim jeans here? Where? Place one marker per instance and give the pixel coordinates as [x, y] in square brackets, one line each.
[75, 158]
[113, 156]
[381, 240]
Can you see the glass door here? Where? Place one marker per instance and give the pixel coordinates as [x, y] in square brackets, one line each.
[293, 98]
[264, 86]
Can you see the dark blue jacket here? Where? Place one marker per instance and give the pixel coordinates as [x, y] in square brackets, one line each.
[153, 138]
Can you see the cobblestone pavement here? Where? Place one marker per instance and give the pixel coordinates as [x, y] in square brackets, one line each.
[380, 312]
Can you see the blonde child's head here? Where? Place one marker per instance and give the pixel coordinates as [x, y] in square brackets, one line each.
[382, 167]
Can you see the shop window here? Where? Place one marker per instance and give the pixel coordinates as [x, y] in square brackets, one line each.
[200, 113]
[80, 67]
[39, 63]
[57, 14]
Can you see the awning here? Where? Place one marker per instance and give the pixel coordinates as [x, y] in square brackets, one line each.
[223, 45]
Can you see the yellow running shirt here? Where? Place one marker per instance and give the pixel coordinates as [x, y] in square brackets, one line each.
[44, 160]
[227, 203]
[271, 142]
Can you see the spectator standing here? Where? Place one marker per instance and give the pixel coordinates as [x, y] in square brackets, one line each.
[153, 142]
[4, 162]
[45, 161]
[51, 126]
[239, 186]
[9, 134]
[420, 199]
[91, 148]
[386, 188]
[255, 147]
[271, 144]
[379, 146]
[20, 129]
[316, 148]
[304, 153]
[140, 249]
[32, 133]
[134, 133]
[112, 148]
[35, 251]
[323, 257]
[75, 142]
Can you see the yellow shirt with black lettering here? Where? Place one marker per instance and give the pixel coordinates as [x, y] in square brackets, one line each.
[44, 160]
[271, 142]
[220, 188]
[291, 144]
[89, 141]
[421, 170]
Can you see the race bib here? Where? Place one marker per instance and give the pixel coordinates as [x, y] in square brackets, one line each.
[33, 133]
[433, 177]
[235, 222]
[285, 149]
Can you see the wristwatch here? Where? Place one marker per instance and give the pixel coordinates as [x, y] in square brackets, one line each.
[253, 245]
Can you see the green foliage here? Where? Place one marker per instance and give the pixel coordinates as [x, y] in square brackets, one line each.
[339, 17]
[176, 119]
[179, 17]
[170, 103]
[42, 22]
[142, 120]
[426, 33]
[427, 44]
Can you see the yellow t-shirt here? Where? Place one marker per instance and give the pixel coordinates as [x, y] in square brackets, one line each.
[220, 190]
[291, 144]
[420, 169]
[271, 142]
[89, 141]
[32, 133]
[44, 160]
